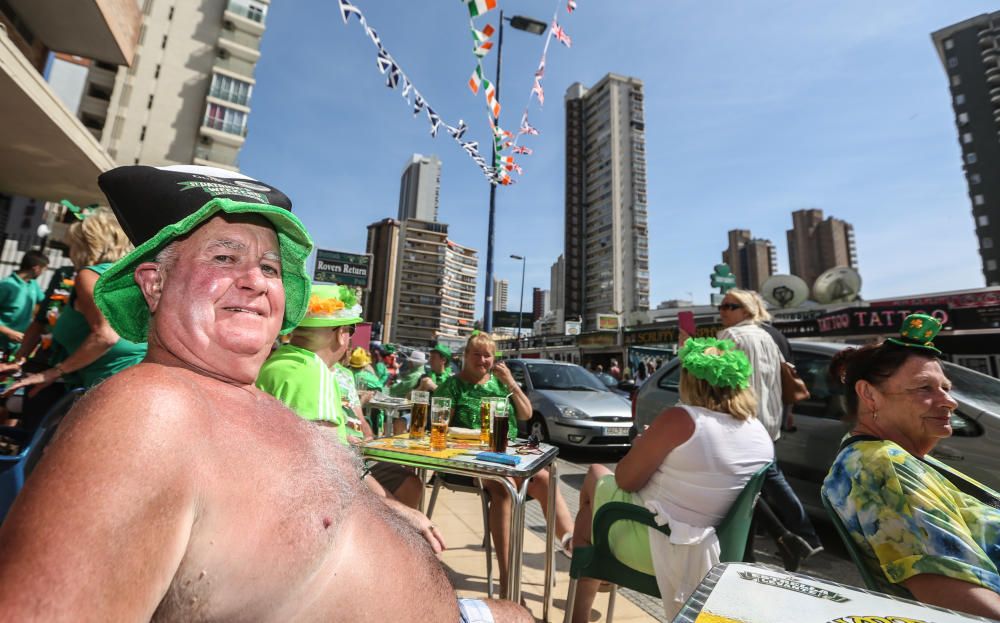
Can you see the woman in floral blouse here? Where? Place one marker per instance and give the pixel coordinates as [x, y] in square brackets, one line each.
[926, 531]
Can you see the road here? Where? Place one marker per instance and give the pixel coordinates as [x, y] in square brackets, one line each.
[831, 564]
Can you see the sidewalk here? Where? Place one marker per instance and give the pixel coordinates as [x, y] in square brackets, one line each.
[459, 515]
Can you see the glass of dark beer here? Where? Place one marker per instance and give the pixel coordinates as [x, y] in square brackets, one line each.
[500, 426]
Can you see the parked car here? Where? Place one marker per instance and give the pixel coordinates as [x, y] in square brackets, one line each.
[805, 455]
[570, 405]
[623, 388]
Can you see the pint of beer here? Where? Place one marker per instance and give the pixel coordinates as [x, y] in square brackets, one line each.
[500, 426]
[418, 414]
[440, 416]
[486, 408]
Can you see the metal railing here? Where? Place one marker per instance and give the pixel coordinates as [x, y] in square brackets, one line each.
[244, 11]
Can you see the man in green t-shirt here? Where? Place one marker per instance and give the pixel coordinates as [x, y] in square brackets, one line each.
[19, 294]
[440, 367]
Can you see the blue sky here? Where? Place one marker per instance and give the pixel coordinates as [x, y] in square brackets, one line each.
[753, 110]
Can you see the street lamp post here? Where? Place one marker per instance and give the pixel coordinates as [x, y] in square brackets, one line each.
[534, 27]
[520, 307]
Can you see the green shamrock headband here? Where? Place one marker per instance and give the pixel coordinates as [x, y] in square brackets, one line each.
[918, 331]
[77, 211]
[717, 362]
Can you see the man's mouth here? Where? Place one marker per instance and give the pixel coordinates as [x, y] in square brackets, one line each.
[244, 310]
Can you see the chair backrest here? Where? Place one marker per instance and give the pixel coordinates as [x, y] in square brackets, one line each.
[12, 480]
[852, 548]
[597, 561]
[734, 530]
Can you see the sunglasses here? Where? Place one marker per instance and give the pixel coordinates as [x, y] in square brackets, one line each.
[730, 306]
[530, 446]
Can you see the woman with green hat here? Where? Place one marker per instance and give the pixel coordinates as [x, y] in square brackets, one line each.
[688, 467]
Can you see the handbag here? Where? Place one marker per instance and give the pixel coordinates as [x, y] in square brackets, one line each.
[793, 388]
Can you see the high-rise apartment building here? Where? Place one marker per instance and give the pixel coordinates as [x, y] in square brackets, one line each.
[424, 285]
[751, 260]
[970, 53]
[501, 290]
[557, 279]
[187, 97]
[815, 244]
[539, 303]
[383, 244]
[606, 239]
[420, 188]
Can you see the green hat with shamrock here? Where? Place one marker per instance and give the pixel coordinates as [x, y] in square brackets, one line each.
[331, 306]
[918, 331]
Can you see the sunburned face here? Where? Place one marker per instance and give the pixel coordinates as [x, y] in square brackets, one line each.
[478, 360]
[914, 405]
[222, 300]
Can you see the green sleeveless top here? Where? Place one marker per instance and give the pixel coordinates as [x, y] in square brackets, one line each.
[72, 329]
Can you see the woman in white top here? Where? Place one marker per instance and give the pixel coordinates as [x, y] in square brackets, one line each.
[782, 514]
[688, 467]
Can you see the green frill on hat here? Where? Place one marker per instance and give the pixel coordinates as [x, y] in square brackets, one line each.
[725, 367]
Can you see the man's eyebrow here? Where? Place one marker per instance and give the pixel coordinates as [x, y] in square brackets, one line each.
[227, 243]
[273, 256]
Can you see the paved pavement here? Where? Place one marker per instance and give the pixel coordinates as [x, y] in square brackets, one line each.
[460, 517]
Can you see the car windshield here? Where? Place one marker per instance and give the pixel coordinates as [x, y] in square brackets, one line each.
[564, 377]
[977, 389]
[607, 379]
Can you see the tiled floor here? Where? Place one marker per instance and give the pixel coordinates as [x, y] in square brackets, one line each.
[459, 515]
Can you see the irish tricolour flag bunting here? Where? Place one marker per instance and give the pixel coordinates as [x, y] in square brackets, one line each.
[478, 7]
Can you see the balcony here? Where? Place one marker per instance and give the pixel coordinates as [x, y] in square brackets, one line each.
[995, 95]
[103, 30]
[238, 66]
[48, 153]
[227, 95]
[216, 156]
[244, 17]
[236, 49]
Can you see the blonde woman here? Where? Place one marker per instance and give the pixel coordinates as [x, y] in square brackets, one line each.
[688, 467]
[85, 349]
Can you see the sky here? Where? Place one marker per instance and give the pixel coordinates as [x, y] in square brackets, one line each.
[753, 110]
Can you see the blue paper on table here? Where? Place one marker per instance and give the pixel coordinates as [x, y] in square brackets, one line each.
[497, 457]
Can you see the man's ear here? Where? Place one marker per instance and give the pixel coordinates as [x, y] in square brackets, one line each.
[149, 277]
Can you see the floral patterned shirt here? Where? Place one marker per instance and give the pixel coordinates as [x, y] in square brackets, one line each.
[908, 519]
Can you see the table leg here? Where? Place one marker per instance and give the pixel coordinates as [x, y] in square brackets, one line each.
[517, 542]
[422, 475]
[550, 553]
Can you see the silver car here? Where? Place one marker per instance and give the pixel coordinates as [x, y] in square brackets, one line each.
[806, 454]
[570, 405]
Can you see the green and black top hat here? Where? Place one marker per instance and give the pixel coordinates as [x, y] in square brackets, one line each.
[157, 205]
[918, 331]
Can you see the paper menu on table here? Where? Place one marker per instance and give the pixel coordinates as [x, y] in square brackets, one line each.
[757, 594]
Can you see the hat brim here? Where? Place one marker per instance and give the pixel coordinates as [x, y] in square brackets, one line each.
[899, 342]
[121, 300]
[329, 322]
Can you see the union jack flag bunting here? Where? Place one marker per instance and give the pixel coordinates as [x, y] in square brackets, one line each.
[570, 6]
[518, 149]
[560, 34]
[527, 129]
[538, 92]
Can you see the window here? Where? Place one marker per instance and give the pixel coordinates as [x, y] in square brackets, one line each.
[163, 44]
[226, 119]
[156, 73]
[956, 80]
[971, 158]
[230, 89]
[671, 380]
[142, 134]
[825, 399]
[977, 200]
[975, 178]
[991, 264]
[963, 118]
[982, 220]
[949, 44]
[170, 15]
[952, 62]
[986, 242]
[149, 104]
[967, 138]
[960, 99]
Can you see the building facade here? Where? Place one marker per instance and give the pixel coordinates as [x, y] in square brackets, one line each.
[816, 245]
[539, 303]
[501, 292]
[751, 260]
[380, 303]
[970, 54]
[187, 97]
[420, 188]
[458, 294]
[606, 248]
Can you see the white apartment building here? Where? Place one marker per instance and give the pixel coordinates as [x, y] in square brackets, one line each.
[606, 247]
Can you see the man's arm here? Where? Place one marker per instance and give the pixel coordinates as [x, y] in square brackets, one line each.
[940, 590]
[103, 523]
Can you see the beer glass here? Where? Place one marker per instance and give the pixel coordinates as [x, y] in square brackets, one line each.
[500, 426]
[487, 407]
[418, 414]
[440, 416]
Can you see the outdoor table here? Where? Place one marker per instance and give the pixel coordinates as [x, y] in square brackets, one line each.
[746, 593]
[392, 407]
[459, 459]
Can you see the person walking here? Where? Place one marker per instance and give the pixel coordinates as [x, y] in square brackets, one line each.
[19, 294]
[742, 313]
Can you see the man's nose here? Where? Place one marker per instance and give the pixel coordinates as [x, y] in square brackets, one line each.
[951, 403]
[252, 278]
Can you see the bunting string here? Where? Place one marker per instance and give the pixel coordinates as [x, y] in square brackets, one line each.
[394, 76]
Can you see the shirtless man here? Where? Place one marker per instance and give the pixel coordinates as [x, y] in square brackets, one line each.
[176, 490]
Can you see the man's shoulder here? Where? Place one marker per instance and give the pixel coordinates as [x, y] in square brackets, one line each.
[285, 364]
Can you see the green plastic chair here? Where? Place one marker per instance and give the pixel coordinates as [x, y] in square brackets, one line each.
[598, 562]
[852, 549]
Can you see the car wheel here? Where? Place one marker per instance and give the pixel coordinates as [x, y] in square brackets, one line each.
[538, 428]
